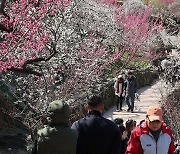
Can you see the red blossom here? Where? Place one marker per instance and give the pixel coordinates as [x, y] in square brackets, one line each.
[28, 33]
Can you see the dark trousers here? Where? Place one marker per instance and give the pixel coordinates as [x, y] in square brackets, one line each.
[119, 102]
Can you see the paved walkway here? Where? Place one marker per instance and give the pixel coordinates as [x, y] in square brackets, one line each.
[149, 95]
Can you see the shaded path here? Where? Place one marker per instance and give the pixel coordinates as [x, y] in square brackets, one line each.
[149, 95]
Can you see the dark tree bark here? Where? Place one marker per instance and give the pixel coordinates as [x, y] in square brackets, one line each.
[27, 70]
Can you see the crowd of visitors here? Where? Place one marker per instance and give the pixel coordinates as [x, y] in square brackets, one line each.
[95, 134]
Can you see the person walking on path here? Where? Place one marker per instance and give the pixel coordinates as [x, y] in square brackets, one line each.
[97, 135]
[130, 90]
[151, 136]
[57, 137]
[119, 86]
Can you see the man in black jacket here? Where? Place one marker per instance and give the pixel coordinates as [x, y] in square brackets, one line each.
[130, 88]
[97, 135]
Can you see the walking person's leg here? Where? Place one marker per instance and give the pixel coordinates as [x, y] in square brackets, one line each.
[132, 102]
[121, 102]
[127, 102]
[117, 103]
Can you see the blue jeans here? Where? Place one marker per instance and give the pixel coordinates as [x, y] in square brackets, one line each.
[129, 99]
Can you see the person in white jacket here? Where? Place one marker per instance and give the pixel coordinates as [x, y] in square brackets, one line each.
[118, 87]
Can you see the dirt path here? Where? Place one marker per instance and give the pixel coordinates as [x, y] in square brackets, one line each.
[149, 95]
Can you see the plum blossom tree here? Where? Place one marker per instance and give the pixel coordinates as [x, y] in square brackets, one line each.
[140, 30]
[67, 63]
[25, 38]
[63, 47]
[174, 8]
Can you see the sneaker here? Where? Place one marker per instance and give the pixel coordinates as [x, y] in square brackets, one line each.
[120, 109]
[132, 111]
[128, 109]
[117, 110]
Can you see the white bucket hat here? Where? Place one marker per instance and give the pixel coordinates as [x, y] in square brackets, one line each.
[120, 76]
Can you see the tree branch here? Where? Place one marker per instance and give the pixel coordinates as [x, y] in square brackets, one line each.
[27, 70]
[2, 28]
[32, 61]
[2, 6]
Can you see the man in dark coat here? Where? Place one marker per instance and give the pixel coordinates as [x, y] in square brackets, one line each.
[57, 137]
[130, 90]
[97, 135]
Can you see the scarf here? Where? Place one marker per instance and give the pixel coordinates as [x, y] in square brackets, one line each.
[117, 85]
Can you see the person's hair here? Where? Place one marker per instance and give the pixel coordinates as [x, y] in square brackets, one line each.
[130, 123]
[95, 101]
[121, 79]
[122, 129]
[130, 73]
[119, 121]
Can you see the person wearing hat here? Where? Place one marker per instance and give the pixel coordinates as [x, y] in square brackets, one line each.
[119, 86]
[57, 137]
[97, 135]
[151, 136]
[130, 88]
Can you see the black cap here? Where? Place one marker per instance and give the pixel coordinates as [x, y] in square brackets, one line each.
[95, 100]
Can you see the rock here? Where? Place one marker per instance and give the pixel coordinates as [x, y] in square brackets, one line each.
[12, 151]
[12, 130]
